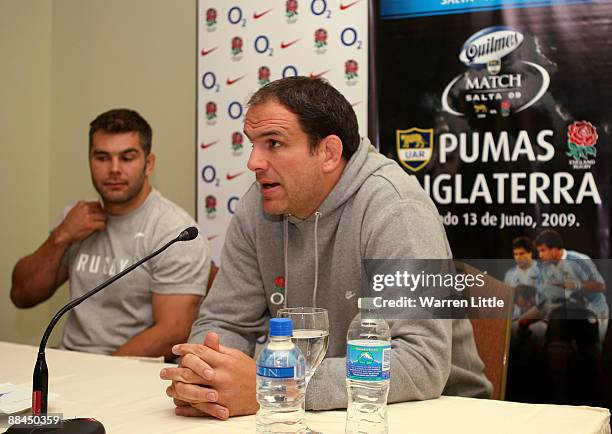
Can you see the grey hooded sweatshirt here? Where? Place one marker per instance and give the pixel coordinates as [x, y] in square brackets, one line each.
[375, 211]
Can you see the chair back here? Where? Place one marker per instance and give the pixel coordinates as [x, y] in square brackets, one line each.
[211, 276]
[492, 335]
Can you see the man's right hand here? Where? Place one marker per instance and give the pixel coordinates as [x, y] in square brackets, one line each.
[212, 380]
[37, 276]
[83, 219]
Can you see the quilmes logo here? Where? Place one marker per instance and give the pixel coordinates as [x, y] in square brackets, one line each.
[414, 147]
[489, 45]
[493, 84]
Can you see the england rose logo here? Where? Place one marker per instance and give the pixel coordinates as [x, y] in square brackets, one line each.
[279, 283]
[582, 133]
[211, 206]
[237, 142]
[581, 140]
[236, 46]
[263, 75]
[350, 70]
[278, 296]
[211, 18]
[320, 39]
[291, 7]
[504, 108]
[211, 111]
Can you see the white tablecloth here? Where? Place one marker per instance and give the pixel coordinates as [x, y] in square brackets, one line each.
[127, 396]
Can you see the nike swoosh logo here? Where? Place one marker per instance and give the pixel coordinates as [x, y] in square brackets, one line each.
[212, 237]
[230, 82]
[257, 16]
[207, 145]
[288, 44]
[344, 7]
[319, 74]
[230, 177]
[205, 52]
[349, 294]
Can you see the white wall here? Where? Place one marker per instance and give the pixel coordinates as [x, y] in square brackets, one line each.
[63, 63]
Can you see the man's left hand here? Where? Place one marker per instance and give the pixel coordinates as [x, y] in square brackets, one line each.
[214, 380]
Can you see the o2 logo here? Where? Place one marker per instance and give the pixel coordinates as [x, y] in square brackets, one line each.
[209, 81]
[290, 71]
[319, 8]
[235, 16]
[234, 110]
[231, 204]
[209, 175]
[349, 37]
[262, 45]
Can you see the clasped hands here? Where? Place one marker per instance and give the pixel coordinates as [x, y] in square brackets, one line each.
[212, 380]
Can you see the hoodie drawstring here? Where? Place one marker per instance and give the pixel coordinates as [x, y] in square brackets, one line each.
[286, 251]
[316, 252]
[286, 255]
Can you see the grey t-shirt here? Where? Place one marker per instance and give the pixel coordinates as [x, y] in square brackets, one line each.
[111, 317]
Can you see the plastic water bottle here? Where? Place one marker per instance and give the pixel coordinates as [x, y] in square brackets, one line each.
[281, 386]
[368, 364]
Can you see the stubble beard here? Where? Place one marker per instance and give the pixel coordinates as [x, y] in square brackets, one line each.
[132, 192]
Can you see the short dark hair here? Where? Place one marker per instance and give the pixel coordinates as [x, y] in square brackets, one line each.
[119, 121]
[550, 239]
[525, 291]
[522, 243]
[320, 108]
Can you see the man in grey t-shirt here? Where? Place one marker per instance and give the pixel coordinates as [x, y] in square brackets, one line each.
[152, 308]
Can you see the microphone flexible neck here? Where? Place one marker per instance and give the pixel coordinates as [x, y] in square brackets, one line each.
[77, 301]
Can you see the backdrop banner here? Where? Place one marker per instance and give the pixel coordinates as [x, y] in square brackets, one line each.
[501, 110]
[245, 44]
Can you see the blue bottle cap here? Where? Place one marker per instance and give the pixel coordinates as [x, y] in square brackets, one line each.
[281, 327]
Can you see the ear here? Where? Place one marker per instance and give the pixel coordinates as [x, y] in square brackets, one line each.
[331, 152]
[149, 164]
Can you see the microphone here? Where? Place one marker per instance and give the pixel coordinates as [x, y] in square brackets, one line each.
[188, 234]
[41, 374]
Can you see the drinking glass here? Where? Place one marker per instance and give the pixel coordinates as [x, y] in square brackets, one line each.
[310, 334]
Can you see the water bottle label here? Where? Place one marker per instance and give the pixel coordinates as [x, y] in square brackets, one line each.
[367, 362]
[272, 372]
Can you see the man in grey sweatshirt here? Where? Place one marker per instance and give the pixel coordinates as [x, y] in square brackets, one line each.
[324, 201]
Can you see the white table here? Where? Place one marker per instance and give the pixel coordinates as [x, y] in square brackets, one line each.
[127, 396]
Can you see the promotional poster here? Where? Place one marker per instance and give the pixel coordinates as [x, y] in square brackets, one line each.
[501, 110]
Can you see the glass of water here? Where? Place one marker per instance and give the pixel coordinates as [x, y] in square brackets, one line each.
[310, 334]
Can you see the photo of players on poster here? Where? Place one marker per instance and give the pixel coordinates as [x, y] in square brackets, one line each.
[500, 109]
